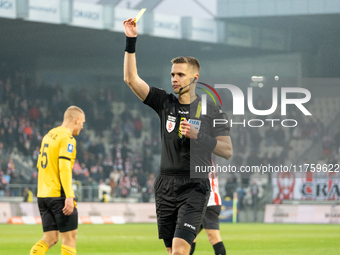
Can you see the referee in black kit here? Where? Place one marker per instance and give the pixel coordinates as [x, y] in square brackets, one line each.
[180, 200]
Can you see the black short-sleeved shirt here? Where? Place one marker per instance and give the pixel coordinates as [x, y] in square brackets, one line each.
[177, 156]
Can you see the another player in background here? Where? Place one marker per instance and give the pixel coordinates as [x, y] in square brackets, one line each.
[56, 203]
[211, 222]
[180, 200]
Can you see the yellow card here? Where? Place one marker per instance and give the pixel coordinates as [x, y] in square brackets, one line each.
[140, 14]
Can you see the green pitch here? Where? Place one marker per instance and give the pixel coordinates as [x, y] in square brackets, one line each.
[141, 239]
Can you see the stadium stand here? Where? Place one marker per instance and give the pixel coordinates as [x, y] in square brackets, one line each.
[116, 149]
[104, 147]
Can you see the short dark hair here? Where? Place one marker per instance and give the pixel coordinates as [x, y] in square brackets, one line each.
[191, 61]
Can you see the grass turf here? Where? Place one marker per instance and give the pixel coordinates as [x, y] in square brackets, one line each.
[142, 239]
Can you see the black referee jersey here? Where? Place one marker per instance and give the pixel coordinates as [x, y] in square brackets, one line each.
[176, 155]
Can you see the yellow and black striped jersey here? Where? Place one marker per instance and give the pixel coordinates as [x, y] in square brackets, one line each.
[55, 163]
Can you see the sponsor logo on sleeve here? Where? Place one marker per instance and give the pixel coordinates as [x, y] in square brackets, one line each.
[70, 148]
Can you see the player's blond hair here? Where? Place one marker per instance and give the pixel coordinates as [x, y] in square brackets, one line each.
[191, 61]
[72, 112]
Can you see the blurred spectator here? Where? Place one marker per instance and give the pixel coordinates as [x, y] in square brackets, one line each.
[138, 127]
[155, 123]
[150, 184]
[23, 178]
[3, 135]
[97, 172]
[125, 115]
[156, 144]
[34, 113]
[76, 167]
[253, 159]
[34, 181]
[10, 139]
[230, 187]
[134, 185]
[138, 164]
[118, 164]
[2, 92]
[10, 166]
[107, 165]
[326, 144]
[241, 141]
[337, 141]
[35, 155]
[240, 196]
[147, 162]
[100, 149]
[128, 129]
[114, 181]
[128, 165]
[105, 198]
[15, 179]
[28, 195]
[279, 136]
[6, 181]
[116, 135]
[124, 185]
[254, 189]
[3, 184]
[108, 117]
[116, 151]
[141, 178]
[125, 152]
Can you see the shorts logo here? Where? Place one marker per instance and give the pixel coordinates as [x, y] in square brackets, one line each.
[189, 226]
[70, 148]
[170, 123]
[196, 123]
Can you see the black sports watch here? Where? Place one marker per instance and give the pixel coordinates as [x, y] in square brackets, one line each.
[200, 136]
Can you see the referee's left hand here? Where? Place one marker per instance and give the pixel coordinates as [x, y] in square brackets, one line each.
[188, 130]
[69, 206]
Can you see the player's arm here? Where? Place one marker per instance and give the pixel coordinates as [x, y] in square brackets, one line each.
[66, 182]
[65, 173]
[131, 78]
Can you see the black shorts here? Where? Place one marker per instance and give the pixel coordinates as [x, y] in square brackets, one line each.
[211, 220]
[180, 204]
[52, 216]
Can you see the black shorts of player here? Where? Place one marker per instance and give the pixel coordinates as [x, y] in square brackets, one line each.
[211, 220]
[180, 206]
[52, 216]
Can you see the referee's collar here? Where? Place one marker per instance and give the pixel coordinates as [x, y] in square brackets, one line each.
[198, 98]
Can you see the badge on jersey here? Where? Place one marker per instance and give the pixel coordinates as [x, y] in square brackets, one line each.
[195, 123]
[170, 123]
[70, 148]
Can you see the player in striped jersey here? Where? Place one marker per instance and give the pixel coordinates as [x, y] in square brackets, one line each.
[211, 221]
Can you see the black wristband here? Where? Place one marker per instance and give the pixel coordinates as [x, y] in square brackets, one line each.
[206, 141]
[130, 46]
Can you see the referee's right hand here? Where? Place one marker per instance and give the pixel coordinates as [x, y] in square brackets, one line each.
[69, 206]
[130, 27]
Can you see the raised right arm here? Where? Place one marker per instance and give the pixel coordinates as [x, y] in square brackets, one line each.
[131, 78]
